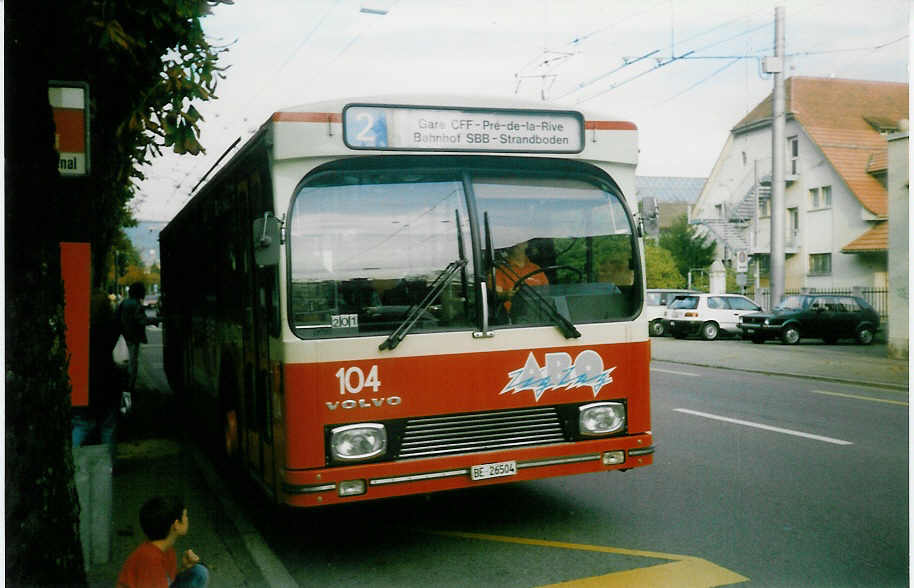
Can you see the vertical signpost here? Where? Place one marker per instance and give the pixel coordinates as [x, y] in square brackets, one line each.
[776, 66]
[741, 267]
[75, 272]
[70, 106]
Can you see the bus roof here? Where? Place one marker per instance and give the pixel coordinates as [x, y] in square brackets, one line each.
[608, 139]
[444, 100]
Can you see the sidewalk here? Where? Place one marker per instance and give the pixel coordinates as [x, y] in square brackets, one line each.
[850, 363]
[152, 457]
[161, 466]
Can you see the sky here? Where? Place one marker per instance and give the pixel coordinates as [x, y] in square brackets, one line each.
[684, 71]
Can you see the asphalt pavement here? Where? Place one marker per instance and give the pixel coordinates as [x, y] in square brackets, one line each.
[867, 365]
[154, 456]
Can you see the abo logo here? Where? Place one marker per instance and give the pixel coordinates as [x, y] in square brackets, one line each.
[560, 372]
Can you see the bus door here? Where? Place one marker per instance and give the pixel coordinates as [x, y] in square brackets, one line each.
[261, 306]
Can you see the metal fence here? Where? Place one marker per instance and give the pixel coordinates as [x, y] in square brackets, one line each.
[877, 297]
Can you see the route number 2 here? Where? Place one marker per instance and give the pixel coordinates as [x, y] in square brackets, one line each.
[353, 379]
[366, 136]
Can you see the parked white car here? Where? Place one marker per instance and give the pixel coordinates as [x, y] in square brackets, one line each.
[655, 303]
[707, 315]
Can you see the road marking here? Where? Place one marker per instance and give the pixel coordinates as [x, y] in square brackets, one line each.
[871, 399]
[685, 571]
[653, 369]
[765, 427]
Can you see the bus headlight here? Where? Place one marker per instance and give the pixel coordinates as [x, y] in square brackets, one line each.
[357, 442]
[601, 418]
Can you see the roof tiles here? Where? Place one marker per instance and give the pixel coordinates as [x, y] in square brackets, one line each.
[837, 115]
[875, 239]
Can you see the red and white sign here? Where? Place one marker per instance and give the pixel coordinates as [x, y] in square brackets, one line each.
[69, 106]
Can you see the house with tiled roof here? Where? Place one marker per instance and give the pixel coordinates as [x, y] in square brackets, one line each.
[835, 186]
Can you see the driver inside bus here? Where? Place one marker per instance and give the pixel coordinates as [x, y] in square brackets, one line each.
[516, 265]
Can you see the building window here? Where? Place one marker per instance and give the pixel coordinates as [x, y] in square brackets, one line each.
[820, 198]
[764, 207]
[719, 210]
[826, 196]
[793, 227]
[819, 264]
[813, 198]
[793, 149]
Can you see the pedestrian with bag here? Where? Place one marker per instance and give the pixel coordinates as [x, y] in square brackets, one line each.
[133, 321]
[96, 422]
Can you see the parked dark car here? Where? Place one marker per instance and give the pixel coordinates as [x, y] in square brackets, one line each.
[827, 317]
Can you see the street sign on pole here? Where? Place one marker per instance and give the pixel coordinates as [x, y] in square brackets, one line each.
[70, 106]
[742, 261]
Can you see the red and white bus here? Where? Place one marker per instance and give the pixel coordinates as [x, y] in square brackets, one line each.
[397, 296]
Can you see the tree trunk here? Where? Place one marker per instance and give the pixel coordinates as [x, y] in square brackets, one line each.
[42, 510]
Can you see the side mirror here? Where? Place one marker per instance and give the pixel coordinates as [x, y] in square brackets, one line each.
[650, 216]
[267, 240]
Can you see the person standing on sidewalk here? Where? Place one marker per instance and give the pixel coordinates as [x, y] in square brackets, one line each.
[100, 416]
[154, 564]
[133, 326]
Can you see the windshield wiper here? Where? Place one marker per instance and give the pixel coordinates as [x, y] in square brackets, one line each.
[564, 325]
[416, 310]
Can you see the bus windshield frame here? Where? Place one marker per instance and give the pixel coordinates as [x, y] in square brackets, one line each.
[368, 236]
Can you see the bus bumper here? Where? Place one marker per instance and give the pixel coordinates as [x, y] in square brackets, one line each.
[307, 488]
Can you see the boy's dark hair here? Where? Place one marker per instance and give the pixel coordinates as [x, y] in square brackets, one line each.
[157, 515]
[136, 290]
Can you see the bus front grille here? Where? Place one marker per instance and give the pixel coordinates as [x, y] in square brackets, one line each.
[486, 431]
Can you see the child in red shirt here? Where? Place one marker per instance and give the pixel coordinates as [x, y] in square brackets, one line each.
[154, 564]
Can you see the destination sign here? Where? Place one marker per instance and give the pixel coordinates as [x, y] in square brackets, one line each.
[416, 128]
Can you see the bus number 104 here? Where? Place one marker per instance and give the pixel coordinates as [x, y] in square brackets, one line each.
[353, 379]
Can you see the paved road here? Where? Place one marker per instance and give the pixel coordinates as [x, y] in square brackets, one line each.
[779, 480]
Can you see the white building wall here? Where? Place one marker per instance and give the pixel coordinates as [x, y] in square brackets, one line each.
[819, 231]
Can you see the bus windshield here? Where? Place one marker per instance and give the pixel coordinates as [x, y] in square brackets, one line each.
[366, 246]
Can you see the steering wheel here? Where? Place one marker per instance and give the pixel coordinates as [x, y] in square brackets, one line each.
[520, 280]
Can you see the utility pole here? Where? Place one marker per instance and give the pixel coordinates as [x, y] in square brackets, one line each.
[778, 121]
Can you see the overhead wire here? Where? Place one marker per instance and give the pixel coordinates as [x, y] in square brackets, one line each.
[701, 81]
[827, 51]
[578, 41]
[672, 59]
[690, 55]
[258, 91]
[285, 63]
